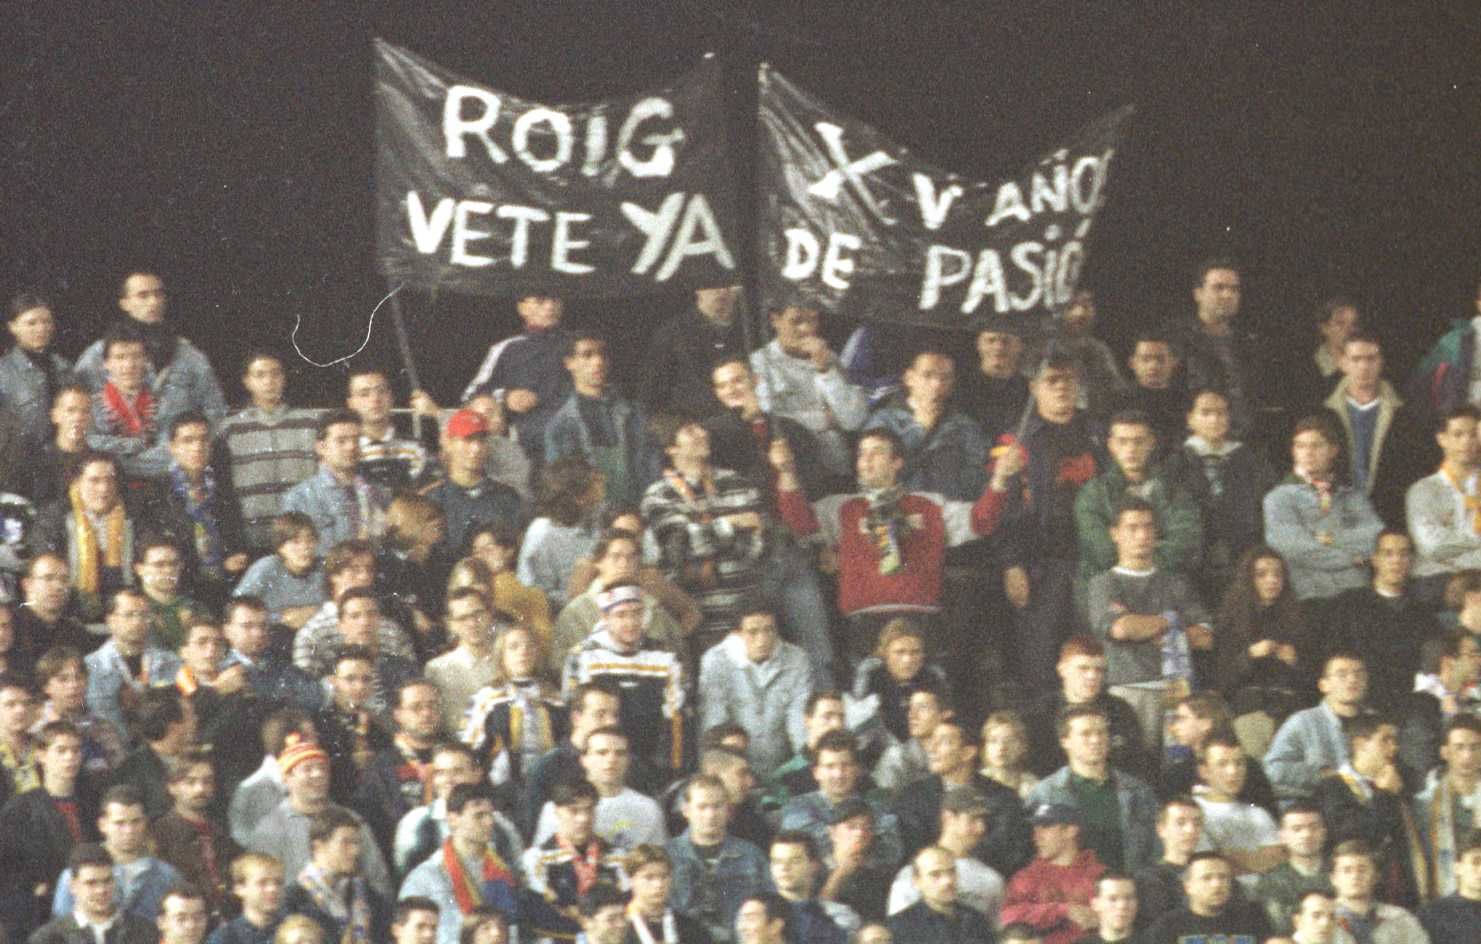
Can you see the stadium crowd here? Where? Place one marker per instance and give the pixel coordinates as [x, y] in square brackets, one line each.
[761, 647]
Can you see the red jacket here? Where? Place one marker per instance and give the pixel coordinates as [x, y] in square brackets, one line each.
[1040, 893]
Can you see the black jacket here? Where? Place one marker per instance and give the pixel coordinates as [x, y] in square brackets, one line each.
[1008, 844]
[918, 924]
[128, 929]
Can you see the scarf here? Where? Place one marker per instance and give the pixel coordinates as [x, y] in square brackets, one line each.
[645, 934]
[200, 507]
[887, 525]
[132, 419]
[355, 916]
[1467, 494]
[493, 888]
[1442, 831]
[703, 574]
[413, 769]
[585, 865]
[87, 575]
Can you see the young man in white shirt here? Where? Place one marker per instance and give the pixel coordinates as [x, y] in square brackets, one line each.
[1244, 833]
[625, 818]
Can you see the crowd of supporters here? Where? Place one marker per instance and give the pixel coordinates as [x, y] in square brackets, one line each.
[758, 646]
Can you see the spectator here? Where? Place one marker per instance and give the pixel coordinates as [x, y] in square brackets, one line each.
[1100, 375]
[387, 461]
[617, 556]
[469, 496]
[1159, 885]
[290, 581]
[197, 507]
[1149, 620]
[595, 423]
[558, 871]
[1282, 890]
[472, 665]
[651, 678]
[953, 759]
[1315, 922]
[1380, 446]
[794, 872]
[129, 662]
[47, 615]
[98, 912]
[966, 816]
[764, 919]
[761, 682]
[158, 568]
[1058, 451]
[685, 348]
[1337, 318]
[140, 880]
[651, 872]
[1052, 893]
[1212, 908]
[1227, 479]
[62, 675]
[40, 828]
[350, 725]
[400, 776]
[332, 889]
[570, 494]
[1322, 527]
[1442, 381]
[1366, 799]
[625, 818]
[904, 762]
[470, 868]
[129, 420]
[1245, 834]
[824, 711]
[257, 882]
[800, 379]
[269, 675]
[939, 916]
[1262, 642]
[284, 832]
[857, 876]
[603, 914]
[517, 718]
[1005, 753]
[709, 526]
[71, 415]
[183, 918]
[1311, 743]
[416, 921]
[1117, 811]
[342, 505]
[164, 733]
[714, 872]
[1428, 711]
[19, 770]
[945, 451]
[995, 395]
[1385, 623]
[593, 705]
[191, 836]
[260, 794]
[1115, 906]
[1444, 816]
[890, 543]
[92, 529]
[1455, 916]
[1082, 681]
[1196, 719]
[525, 374]
[31, 373]
[1215, 353]
[1440, 518]
[265, 448]
[1131, 475]
[1355, 878]
[1154, 364]
[496, 546]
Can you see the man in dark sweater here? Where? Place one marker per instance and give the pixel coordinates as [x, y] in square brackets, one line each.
[1384, 623]
[1153, 364]
[1211, 910]
[1159, 886]
[1458, 917]
[527, 372]
[191, 836]
[996, 393]
[683, 351]
[938, 918]
[1082, 681]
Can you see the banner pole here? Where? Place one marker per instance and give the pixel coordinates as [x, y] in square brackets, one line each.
[407, 363]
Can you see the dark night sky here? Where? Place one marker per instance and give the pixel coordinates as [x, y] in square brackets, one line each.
[233, 147]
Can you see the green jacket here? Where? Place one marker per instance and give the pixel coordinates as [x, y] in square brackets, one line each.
[1179, 522]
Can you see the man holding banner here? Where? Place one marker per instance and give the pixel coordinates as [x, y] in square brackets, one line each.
[527, 373]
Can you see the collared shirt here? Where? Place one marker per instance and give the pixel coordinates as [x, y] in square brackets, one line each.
[99, 931]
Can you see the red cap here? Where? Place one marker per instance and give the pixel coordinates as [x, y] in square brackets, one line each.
[465, 423]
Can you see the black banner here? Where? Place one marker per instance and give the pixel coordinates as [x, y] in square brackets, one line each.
[851, 222]
[482, 192]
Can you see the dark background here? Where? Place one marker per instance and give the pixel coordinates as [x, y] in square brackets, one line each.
[233, 149]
